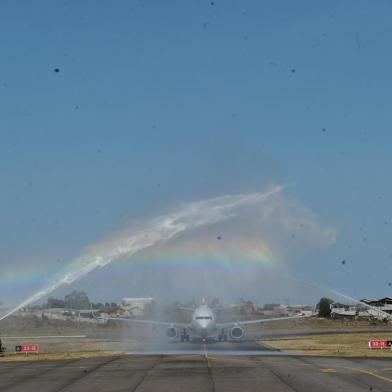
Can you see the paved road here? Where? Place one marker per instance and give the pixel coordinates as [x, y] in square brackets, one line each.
[210, 367]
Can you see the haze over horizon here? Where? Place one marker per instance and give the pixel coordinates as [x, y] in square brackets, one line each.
[115, 114]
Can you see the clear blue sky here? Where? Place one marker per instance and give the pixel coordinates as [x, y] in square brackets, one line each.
[157, 102]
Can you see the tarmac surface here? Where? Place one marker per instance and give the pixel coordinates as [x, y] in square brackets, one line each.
[231, 366]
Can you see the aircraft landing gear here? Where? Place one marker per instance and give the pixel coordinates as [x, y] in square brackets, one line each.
[185, 337]
[222, 336]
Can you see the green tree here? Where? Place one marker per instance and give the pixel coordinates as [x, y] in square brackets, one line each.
[77, 300]
[324, 307]
[54, 303]
[270, 306]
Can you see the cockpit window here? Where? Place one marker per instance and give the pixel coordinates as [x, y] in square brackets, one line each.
[204, 318]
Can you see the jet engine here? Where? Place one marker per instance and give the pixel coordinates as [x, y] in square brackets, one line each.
[171, 332]
[236, 333]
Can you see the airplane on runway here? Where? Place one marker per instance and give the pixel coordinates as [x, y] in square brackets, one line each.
[204, 325]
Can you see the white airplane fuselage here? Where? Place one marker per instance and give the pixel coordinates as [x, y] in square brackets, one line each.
[203, 321]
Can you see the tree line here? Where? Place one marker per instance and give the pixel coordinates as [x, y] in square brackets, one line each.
[77, 300]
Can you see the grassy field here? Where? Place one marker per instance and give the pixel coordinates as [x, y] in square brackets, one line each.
[116, 337]
[344, 345]
[68, 348]
[55, 356]
[319, 324]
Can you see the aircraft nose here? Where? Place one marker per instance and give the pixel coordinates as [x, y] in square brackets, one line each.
[203, 323]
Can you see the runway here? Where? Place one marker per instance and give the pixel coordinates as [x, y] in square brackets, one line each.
[199, 367]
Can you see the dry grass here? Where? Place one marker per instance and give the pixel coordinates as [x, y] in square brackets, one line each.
[56, 349]
[56, 356]
[314, 324]
[344, 345]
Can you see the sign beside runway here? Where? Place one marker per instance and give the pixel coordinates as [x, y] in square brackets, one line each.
[380, 344]
[26, 348]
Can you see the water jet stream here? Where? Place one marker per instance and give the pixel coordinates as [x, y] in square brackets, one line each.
[156, 231]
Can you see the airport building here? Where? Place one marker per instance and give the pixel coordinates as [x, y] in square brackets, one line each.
[368, 308]
[136, 306]
[339, 310]
[384, 304]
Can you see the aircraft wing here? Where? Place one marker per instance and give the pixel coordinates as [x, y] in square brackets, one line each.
[264, 320]
[148, 322]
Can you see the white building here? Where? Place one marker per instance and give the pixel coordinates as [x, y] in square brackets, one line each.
[135, 306]
[378, 309]
[383, 304]
[348, 311]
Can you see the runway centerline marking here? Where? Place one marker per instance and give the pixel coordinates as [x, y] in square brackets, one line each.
[223, 358]
[206, 356]
[328, 370]
[209, 370]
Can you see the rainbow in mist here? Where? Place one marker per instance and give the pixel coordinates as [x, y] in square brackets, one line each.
[154, 232]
